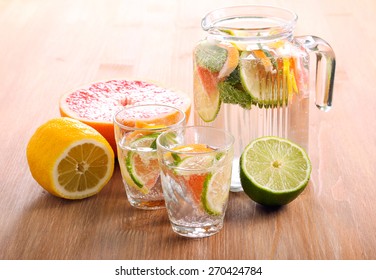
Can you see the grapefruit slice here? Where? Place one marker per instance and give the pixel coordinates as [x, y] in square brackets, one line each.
[207, 99]
[212, 63]
[96, 103]
[190, 158]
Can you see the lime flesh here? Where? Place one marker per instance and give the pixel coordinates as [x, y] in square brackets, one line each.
[216, 191]
[274, 171]
[146, 143]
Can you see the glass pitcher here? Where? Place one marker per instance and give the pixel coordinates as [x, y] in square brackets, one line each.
[252, 76]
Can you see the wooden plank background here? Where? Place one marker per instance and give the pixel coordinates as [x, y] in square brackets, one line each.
[50, 47]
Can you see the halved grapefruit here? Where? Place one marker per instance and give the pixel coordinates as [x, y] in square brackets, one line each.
[96, 104]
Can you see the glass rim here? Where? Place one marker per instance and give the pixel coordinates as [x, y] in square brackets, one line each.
[211, 21]
[125, 127]
[222, 148]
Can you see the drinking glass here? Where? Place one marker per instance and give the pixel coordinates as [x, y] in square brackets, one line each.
[136, 130]
[196, 167]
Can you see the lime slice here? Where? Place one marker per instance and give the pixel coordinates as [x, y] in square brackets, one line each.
[142, 163]
[194, 164]
[274, 171]
[216, 191]
[250, 75]
[258, 75]
[193, 172]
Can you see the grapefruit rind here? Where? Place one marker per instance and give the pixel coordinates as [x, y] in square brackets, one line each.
[96, 103]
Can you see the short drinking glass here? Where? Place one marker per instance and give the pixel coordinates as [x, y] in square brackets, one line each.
[136, 130]
[196, 167]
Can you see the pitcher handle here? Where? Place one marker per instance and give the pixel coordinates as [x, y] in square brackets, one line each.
[325, 69]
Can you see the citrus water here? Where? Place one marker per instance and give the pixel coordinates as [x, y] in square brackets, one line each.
[148, 195]
[136, 130]
[187, 206]
[195, 164]
[251, 75]
[260, 98]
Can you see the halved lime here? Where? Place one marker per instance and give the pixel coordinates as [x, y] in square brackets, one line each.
[216, 191]
[142, 163]
[274, 171]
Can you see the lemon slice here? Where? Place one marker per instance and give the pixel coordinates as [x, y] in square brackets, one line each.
[70, 159]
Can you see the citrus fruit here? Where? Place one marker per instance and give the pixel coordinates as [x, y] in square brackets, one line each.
[269, 80]
[219, 58]
[190, 165]
[96, 104]
[213, 63]
[150, 117]
[273, 170]
[216, 191]
[141, 163]
[70, 159]
[253, 76]
[289, 76]
[209, 187]
[231, 62]
[207, 98]
[193, 148]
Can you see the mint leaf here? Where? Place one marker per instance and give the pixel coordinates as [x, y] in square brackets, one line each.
[234, 94]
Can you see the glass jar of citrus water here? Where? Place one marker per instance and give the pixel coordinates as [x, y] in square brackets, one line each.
[252, 76]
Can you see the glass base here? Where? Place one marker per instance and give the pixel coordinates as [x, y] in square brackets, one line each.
[235, 177]
[147, 205]
[196, 232]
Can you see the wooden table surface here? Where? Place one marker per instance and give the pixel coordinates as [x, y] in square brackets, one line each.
[50, 47]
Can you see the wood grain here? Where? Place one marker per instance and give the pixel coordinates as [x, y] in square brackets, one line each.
[50, 47]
